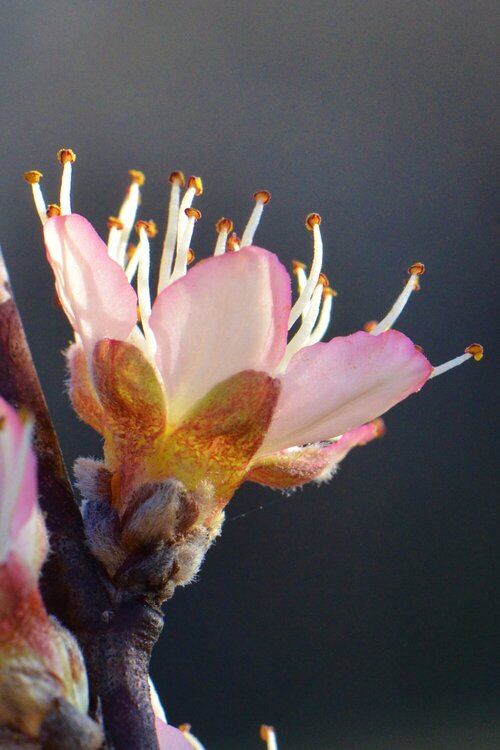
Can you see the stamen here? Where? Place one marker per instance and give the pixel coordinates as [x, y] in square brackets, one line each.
[195, 187]
[181, 259]
[33, 178]
[269, 736]
[416, 270]
[177, 181]
[312, 223]
[223, 227]
[299, 270]
[145, 230]
[115, 227]
[324, 316]
[53, 210]
[67, 157]
[262, 198]
[474, 351]
[193, 741]
[233, 243]
[302, 335]
[128, 212]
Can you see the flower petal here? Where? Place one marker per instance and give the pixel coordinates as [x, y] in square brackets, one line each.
[331, 388]
[170, 738]
[220, 435]
[93, 289]
[317, 462]
[228, 314]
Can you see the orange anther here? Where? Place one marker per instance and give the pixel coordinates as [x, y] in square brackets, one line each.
[177, 178]
[476, 350]
[416, 269]
[193, 213]
[66, 154]
[329, 292]
[137, 176]
[196, 183]
[323, 280]
[224, 225]
[370, 325]
[378, 427]
[33, 176]
[184, 728]
[419, 348]
[114, 223]
[53, 210]
[297, 265]
[262, 196]
[312, 220]
[266, 732]
[149, 227]
[130, 252]
[233, 242]
[190, 256]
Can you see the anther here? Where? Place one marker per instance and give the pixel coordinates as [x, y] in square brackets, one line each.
[190, 256]
[224, 225]
[233, 243]
[329, 292]
[297, 266]
[378, 427]
[312, 220]
[262, 196]
[114, 223]
[419, 348]
[33, 176]
[149, 227]
[137, 176]
[268, 735]
[53, 210]
[323, 280]
[476, 350]
[177, 178]
[193, 213]
[66, 155]
[196, 183]
[370, 325]
[417, 269]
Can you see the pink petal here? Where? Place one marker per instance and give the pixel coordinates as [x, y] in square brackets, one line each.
[93, 289]
[170, 738]
[331, 388]
[312, 463]
[228, 314]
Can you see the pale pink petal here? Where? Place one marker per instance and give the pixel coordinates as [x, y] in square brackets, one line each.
[228, 314]
[94, 292]
[170, 738]
[330, 388]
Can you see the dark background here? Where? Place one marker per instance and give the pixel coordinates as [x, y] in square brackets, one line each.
[361, 615]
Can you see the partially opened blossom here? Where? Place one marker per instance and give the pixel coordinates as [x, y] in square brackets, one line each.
[222, 377]
[39, 660]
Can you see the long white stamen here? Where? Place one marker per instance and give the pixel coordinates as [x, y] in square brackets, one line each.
[132, 262]
[324, 317]
[195, 187]
[223, 227]
[193, 741]
[177, 180]
[128, 212]
[262, 198]
[269, 736]
[474, 351]
[312, 223]
[143, 290]
[416, 270]
[114, 237]
[65, 194]
[181, 258]
[301, 337]
[33, 179]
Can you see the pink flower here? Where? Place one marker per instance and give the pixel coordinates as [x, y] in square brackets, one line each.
[31, 643]
[223, 379]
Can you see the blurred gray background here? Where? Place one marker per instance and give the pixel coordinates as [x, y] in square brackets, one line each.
[361, 615]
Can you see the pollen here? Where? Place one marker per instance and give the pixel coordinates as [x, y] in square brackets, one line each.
[233, 242]
[149, 227]
[196, 183]
[177, 178]
[224, 225]
[53, 210]
[66, 155]
[114, 223]
[476, 350]
[137, 176]
[193, 213]
[262, 196]
[312, 220]
[370, 325]
[33, 176]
